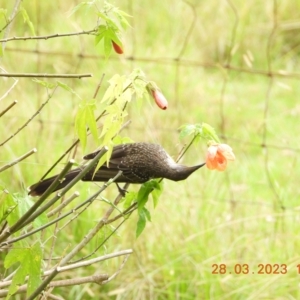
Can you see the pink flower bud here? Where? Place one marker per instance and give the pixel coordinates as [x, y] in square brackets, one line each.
[160, 99]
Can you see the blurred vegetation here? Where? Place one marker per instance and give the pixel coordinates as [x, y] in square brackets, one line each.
[232, 64]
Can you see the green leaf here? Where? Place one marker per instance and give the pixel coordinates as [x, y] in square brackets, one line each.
[121, 16]
[8, 207]
[30, 259]
[81, 5]
[80, 127]
[147, 214]
[24, 204]
[107, 46]
[157, 192]
[187, 130]
[85, 117]
[45, 83]
[210, 132]
[141, 223]
[27, 20]
[101, 32]
[129, 198]
[67, 88]
[144, 191]
[91, 119]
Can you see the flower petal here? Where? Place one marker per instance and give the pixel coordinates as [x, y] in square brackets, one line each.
[226, 151]
[212, 151]
[221, 162]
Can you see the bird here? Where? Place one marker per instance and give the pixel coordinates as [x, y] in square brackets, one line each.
[139, 162]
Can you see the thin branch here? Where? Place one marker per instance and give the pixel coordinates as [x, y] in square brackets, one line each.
[47, 37]
[77, 248]
[10, 89]
[90, 199]
[84, 171]
[30, 119]
[102, 243]
[8, 108]
[86, 263]
[33, 209]
[16, 161]
[12, 17]
[77, 141]
[98, 279]
[63, 204]
[39, 75]
[117, 272]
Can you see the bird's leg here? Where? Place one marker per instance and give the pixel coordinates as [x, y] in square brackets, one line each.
[121, 191]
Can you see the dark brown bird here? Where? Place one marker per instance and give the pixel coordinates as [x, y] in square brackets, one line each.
[139, 162]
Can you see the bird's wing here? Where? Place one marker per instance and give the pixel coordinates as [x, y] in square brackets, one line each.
[116, 164]
[118, 151]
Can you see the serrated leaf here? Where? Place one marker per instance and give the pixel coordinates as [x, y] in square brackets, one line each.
[103, 16]
[210, 132]
[124, 23]
[107, 46]
[156, 193]
[141, 223]
[30, 264]
[43, 83]
[27, 20]
[100, 34]
[80, 6]
[129, 198]
[122, 140]
[24, 204]
[151, 186]
[187, 130]
[109, 93]
[8, 209]
[67, 88]
[85, 117]
[80, 127]
[91, 120]
[147, 214]
[104, 158]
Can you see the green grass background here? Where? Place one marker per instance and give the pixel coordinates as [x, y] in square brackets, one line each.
[246, 215]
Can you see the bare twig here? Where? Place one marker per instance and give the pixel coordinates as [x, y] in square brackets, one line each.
[47, 37]
[77, 141]
[84, 171]
[12, 17]
[62, 205]
[39, 75]
[30, 119]
[8, 108]
[118, 271]
[33, 209]
[12, 163]
[90, 199]
[99, 279]
[77, 248]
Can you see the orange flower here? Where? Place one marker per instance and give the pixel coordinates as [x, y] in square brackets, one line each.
[217, 156]
[160, 99]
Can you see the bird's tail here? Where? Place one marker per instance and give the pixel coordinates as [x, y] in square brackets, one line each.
[40, 187]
